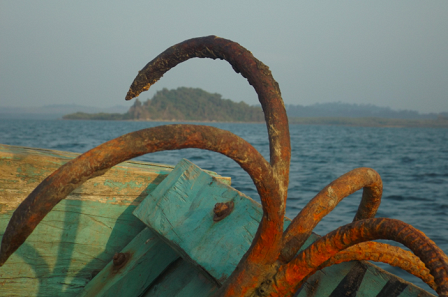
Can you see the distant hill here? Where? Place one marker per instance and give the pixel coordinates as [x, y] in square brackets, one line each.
[54, 111]
[440, 122]
[193, 104]
[183, 104]
[346, 110]
[367, 115]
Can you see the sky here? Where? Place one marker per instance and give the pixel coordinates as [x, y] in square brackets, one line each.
[387, 53]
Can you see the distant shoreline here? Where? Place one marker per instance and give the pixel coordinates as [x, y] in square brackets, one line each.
[327, 121]
[165, 121]
[371, 122]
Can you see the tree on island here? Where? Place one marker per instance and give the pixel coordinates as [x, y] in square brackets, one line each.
[182, 104]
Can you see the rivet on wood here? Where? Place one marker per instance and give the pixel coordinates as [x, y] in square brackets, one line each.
[119, 260]
[222, 210]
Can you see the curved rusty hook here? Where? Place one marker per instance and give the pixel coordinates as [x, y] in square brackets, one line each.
[265, 249]
[242, 61]
[385, 253]
[271, 180]
[326, 200]
[291, 275]
[98, 160]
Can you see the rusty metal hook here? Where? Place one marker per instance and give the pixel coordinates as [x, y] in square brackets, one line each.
[271, 180]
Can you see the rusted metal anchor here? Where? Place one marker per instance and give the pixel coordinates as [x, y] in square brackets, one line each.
[272, 266]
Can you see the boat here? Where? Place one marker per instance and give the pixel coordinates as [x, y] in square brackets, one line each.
[71, 252]
[75, 225]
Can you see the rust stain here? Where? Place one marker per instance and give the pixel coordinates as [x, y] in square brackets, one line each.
[119, 261]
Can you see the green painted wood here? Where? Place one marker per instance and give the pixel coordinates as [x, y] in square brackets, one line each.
[75, 240]
[148, 256]
[22, 169]
[82, 233]
[79, 237]
[182, 279]
[181, 210]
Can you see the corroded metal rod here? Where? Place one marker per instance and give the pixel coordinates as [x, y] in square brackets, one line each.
[265, 248]
[326, 200]
[98, 160]
[271, 181]
[242, 61]
[291, 275]
[385, 253]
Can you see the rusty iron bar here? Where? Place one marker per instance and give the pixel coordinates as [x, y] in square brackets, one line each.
[242, 61]
[271, 180]
[98, 160]
[326, 200]
[271, 185]
[291, 276]
[264, 251]
[385, 253]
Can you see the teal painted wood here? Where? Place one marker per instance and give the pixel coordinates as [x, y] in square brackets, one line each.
[82, 233]
[181, 210]
[182, 279]
[374, 281]
[148, 256]
[76, 240]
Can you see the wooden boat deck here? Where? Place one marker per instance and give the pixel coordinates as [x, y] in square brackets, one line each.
[82, 233]
[182, 252]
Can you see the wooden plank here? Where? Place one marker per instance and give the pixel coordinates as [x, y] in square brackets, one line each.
[182, 279]
[181, 210]
[24, 168]
[148, 256]
[375, 282]
[76, 240]
[82, 233]
[154, 270]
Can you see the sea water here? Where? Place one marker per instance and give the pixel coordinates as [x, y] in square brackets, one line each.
[412, 162]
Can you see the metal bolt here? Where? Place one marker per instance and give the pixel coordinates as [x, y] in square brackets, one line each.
[222, 210]
[119, 259]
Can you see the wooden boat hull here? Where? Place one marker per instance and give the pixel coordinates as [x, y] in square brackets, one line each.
[82, 233]
[173, 247]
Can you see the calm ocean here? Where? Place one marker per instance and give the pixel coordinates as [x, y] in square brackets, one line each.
[413, 163]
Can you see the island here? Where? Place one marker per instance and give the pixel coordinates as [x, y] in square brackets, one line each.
[180, 105]
[196, 105]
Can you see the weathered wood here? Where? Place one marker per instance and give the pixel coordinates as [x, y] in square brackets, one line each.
[24, 168]
[153, 269]
[182, 280]
[181, 210]
[76, 240]
[82, 233]
[79, 237]
[147, 257]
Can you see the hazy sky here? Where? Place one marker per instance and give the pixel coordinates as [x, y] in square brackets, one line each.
[387, 53]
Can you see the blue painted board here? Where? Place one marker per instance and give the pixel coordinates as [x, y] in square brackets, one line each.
[147, 257]
[182, 279]
[180, 210]
[82, 233]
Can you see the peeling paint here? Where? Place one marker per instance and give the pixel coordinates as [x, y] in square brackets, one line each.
[122, 186]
